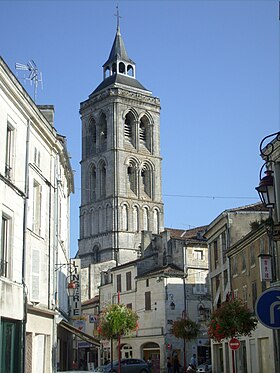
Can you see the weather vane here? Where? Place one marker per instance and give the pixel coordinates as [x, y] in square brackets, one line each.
[118, 16]
[33, 75]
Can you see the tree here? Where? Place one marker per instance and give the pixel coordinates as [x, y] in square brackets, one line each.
[232, 319]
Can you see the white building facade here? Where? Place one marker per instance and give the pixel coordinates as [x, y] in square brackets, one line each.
[36, 181]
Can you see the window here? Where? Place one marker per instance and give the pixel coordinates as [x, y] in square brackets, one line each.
[198, 254]
[234, 265]
[145, 219]
[146, 181]
[148, 301]
[96, 254]
[129, 305]
[243, 256]
[128, 280]
[136, 218]
[102, 179]
[216, 254]
[37, 157]
[9, 152]
[91, 138]
[37, 206]
[103, 133]
[121, 68]
[35, 275]
[245, 294]
[252, 256]
[5, 246]
[261, 246]
[92, 186]
[132, 177]
[254, 294]
[156, 221]
[224, 246]
[217, 280]
[108, 220]
[147, 282]
[129, 124]
[225, 278]
[125, 217]
[144, 138]
[119, 282]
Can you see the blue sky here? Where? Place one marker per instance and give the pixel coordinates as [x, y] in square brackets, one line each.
[213, 64]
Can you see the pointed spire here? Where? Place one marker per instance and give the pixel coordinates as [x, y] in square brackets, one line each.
[118, 51]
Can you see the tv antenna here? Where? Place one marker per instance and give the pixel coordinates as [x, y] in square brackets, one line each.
[34, 76]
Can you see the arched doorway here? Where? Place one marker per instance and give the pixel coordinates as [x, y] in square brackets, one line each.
[151, 352]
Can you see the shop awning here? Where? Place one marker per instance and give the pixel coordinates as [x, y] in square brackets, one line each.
[86, 337]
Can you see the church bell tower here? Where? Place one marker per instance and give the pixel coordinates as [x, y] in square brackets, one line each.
[121, 164]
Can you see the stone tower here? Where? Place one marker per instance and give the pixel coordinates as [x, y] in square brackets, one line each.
[121, 164]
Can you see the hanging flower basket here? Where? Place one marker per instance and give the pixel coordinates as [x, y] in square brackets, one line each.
[232, 319]
[117, 320]
[185, 329]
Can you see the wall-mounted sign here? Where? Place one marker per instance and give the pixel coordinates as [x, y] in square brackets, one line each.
[265, 267]
[75, 276]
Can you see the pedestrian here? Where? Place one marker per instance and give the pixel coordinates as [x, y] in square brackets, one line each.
[176, 364]
[191, 368]
[75, 365]
[169, 365]
[193, 361]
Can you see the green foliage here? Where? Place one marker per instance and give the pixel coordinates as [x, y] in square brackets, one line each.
[232, 319]
[117, 320]
[185, 329]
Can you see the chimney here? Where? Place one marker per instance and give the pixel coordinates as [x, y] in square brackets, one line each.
[48, 112]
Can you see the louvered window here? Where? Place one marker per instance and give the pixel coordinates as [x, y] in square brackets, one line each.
[143, 132]
[35, 276]
[37, 206]
[128, 130]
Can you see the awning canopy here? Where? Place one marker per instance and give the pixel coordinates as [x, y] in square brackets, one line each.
[86, 337]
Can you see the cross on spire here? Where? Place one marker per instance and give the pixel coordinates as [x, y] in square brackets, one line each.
[118, 16]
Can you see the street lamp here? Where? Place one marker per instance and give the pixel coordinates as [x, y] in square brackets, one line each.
[71, 288]
[266, 189]
[172, 305]
[266, 185]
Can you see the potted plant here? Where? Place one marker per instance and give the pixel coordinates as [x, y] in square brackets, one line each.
[232, 319]
[115, 321]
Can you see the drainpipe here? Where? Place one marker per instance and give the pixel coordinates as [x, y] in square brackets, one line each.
[25, 209]
[55, 260]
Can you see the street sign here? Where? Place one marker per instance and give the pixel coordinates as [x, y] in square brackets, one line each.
[268, 308]
[234, 344]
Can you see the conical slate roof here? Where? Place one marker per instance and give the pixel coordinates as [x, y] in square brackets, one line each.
[118, 50]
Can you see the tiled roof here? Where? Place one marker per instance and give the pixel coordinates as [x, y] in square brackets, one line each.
[188, 234]
[91, 301]
[169, 270]
[118, 79]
